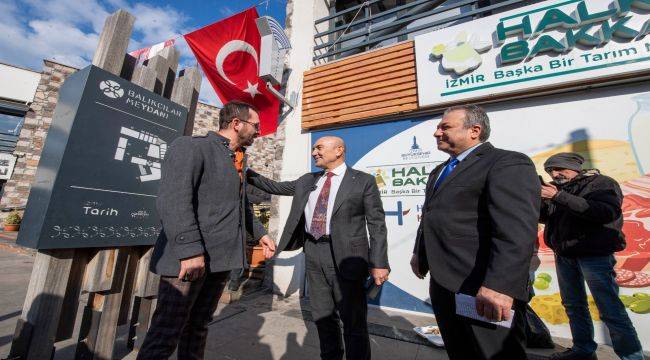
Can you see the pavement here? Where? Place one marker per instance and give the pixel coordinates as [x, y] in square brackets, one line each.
[260, 326]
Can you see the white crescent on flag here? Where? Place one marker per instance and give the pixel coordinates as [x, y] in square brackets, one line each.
[229, 48]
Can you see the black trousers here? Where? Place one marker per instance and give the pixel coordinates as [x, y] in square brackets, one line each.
[333, 297]
[470, 339]
[183, 312]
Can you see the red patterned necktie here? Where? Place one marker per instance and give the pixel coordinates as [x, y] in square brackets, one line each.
[319, 218]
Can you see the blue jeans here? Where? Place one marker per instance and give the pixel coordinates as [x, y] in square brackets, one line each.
[598, 272]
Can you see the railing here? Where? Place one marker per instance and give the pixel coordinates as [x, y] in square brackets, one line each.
[368, 30]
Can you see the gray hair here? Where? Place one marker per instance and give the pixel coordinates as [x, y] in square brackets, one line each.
[474, 115]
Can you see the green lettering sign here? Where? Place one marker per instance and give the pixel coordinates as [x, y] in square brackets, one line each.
[582, 37]
[645, 29]
[503, 32]
[546, 43]
[554, 18]
[624, 6]
[514, 52]
[619, 29]
[584, 17]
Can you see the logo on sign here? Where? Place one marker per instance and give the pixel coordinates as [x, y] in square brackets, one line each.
[399, 213]
[111, 89]
[462, 54]
[415, 152]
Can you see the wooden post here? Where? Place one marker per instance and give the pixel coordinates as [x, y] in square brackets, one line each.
[164, 65]
[113, 42]
[110, 310]
[72, 293]
[37, 325]
[186, 93]
[100, 271]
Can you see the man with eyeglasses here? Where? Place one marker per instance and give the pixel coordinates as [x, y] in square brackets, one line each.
[205, 215]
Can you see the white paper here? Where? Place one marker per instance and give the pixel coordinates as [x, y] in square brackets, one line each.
[466, 306]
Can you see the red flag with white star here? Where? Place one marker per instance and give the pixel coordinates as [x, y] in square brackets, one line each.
[229, 54]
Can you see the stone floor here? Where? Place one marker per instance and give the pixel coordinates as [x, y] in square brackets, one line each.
[260, 326]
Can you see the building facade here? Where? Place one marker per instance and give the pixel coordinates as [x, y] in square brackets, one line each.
[553, 76]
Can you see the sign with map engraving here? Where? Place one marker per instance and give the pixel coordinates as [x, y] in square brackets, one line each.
[97, 180]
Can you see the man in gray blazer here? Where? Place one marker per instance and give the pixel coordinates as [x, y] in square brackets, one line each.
[329, 215]
[205, 214]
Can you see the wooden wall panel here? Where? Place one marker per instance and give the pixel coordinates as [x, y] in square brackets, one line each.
[361, 87]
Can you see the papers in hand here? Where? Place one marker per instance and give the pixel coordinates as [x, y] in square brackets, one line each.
[466, 306]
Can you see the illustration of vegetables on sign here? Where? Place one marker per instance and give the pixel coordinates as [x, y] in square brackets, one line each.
[462, 54]
[549, 307]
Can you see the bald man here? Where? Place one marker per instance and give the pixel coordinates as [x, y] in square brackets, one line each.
[329, 215]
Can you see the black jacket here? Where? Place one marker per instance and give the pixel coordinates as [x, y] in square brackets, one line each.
[585, 217]
[203, 207]
[357, 206]
[479, 226]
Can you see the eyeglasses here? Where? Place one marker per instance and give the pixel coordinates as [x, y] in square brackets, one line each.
[255, 125]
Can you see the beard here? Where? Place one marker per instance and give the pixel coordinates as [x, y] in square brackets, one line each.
[560, 180]
[246, 140]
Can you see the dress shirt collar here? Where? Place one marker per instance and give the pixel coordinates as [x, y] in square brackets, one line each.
[338, 171]
[465, 153]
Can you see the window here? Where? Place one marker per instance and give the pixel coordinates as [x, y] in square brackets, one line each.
[10, 124]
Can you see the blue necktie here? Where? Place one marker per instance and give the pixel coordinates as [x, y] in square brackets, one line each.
[445, 172]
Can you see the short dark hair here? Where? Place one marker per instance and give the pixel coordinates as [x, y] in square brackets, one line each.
[234, 109]
[474, 115]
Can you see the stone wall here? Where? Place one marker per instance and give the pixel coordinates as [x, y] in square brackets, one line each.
[206, 119]
[32, 136]
[262, 154]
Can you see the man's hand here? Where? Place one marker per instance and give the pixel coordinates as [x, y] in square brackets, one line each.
[192, 268]
[548, 191]
[415, 266]
[380, 275]
[493, 305]
[268, 245]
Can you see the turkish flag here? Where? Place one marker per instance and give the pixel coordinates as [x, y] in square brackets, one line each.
[229, 54]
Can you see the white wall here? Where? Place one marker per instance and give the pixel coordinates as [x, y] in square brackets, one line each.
[18, 84]
[288, 269]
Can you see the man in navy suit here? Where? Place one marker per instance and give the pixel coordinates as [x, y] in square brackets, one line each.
[479, 224]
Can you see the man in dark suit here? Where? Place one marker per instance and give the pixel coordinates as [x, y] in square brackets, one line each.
[479, 224]
[205, 214]
[328, 217]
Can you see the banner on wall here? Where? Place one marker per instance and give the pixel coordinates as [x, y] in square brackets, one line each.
[554, 43]
[609, 135]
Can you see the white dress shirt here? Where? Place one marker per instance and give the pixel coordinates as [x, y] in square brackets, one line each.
[338, 172]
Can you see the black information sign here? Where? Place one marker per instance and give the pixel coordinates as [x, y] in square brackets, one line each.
[98, 176]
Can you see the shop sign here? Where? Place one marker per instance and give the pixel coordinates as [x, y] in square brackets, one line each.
[556, 43]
